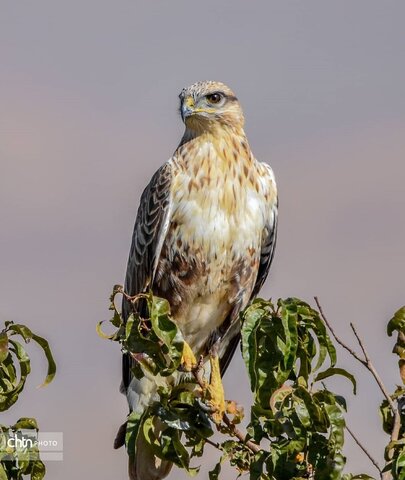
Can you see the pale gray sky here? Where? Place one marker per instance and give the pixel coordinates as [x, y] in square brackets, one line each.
[88, 111]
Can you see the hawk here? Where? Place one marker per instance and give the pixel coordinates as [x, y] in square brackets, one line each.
[204, 239]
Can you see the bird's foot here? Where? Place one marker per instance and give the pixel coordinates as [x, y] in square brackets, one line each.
[188, 360]
[215, 391]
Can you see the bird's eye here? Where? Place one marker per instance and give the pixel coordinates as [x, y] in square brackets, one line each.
[214, 97]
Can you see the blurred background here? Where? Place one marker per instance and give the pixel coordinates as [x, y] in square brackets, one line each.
[88, 112]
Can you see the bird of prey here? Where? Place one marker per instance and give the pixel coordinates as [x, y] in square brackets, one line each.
[204, 239]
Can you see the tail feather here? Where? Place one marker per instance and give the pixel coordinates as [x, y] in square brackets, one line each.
[119, 440]
[144, 465]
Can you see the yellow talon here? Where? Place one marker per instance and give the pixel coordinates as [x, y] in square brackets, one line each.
[215, 390]
[188, 359]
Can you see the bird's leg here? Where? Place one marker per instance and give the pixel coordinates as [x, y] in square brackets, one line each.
[188, 360]
[215, 389]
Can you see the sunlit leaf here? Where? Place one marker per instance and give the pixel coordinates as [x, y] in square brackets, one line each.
[48, 354]
[3, 346]
[3, 474]
[11, 396]
[22, 330]
[134, 422]
[397, 322]
[336, 371]
[25, 423]
[100, 332]
[38, 470]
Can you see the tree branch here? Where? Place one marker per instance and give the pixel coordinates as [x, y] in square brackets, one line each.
[340, 342]
[366, 361]
[374, 462]
[370, 367]
[213, 444]
[240, 435]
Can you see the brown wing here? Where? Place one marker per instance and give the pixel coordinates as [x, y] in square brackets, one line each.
[266, 257]
[149, 233]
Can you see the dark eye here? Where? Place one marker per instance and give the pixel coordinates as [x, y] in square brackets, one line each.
[214, 97]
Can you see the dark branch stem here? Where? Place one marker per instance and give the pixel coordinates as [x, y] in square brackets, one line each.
[370, 367]
[346, 347]
[366, 361]
[364, 450]
[210, 442]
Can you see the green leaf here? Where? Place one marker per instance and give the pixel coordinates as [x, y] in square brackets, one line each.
[3, 474]
[134, 422]
[8, 383]
[172, 418]
[397, 322]
[214, 473]
[48, 354]
[28, 335]
[302, 413]
[337, 423]
[25, 423]
[268, 348]
[289, 319]
[22, 330]
[387, 417]
[38, 470]
[183, 458]
[325, 344]
[251, 319]
[24, 363]
[257, 466]
[362, 476]
[336, 371]
[167, 331]
[100, 332]
[3, 346]
[314, 409]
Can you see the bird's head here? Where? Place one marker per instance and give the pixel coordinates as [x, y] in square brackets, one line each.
[208, 105]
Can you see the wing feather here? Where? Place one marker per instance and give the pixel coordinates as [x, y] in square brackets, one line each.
[150, 230]
[269, 239]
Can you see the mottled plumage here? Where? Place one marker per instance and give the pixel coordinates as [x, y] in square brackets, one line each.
[204, 235]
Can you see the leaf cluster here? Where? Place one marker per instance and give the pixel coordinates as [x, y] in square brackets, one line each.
[285, 348]
[297, 424]
[176, 426]
[17, 460]
[13, 354]
[15, 367]
[393, 420]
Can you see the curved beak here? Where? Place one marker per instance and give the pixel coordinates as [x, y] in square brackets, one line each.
[187, 108]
